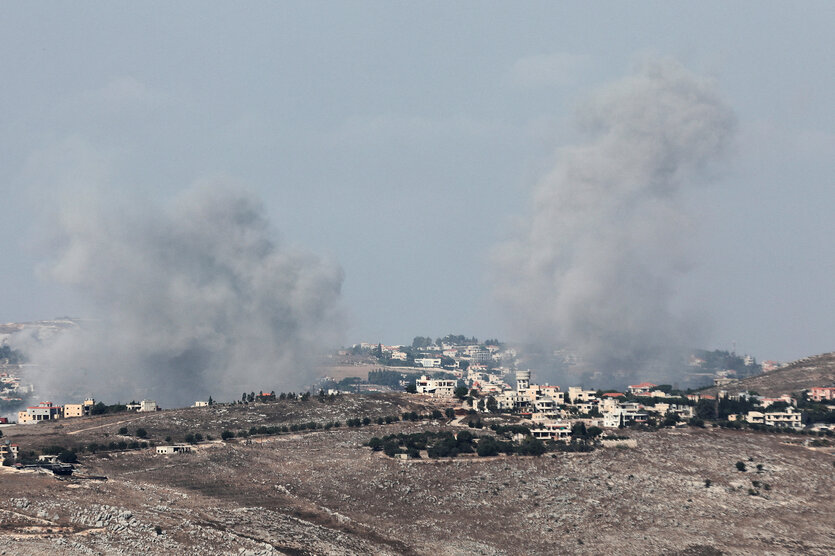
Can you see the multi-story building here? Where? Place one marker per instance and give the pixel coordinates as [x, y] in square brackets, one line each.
[436, 387]
[820, 394]
[79, 409]
[788, 418]
[624, 414]
[548, 429]
[577, 395]
[45, 411]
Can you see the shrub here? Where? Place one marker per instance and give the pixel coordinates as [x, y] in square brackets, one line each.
[487, 446]
[390, 448]
[123, 431]
[740, 466]
[531, 447]
[366, 421]
[227, 434]
[375, 444]
[707, 483]
[67, 456]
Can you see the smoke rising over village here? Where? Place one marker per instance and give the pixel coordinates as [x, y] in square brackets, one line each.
[595, 266]
[193, 299]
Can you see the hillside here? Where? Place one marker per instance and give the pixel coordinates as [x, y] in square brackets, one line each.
[324, 492]
[818, 370]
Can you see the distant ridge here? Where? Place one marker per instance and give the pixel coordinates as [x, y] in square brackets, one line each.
[803, 374]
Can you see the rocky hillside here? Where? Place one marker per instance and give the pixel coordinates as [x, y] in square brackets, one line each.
[818, 370]
[323, 492]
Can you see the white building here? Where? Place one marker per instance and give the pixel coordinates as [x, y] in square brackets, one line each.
[577, 395]
[788, 418]
[176, 449]
[547, 429]
[624, 414]
[436, 387]
[428, 362]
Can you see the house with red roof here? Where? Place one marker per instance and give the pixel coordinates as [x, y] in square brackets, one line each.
[641, 388]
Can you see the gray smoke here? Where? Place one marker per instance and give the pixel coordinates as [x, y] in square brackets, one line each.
[594, 268]
[191, 300]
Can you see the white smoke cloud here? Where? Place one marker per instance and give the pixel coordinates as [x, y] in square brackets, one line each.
[594, 267]
[193, 299]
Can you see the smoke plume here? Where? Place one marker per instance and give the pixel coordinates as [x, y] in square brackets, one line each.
[594, 267]
[191, 300]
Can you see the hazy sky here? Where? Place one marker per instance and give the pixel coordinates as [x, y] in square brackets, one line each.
[402, 142]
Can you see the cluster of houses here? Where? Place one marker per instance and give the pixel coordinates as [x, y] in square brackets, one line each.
[48, 411]
[553, 411]
[12, 390]
[463, 355]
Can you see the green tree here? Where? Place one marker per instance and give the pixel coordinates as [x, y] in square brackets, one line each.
[531, 446]
[123, 431]
[411, 388]
[461, 392]
[450, 413]
[141, 433]
[487, 446]
[420, 342]
[740, 466]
